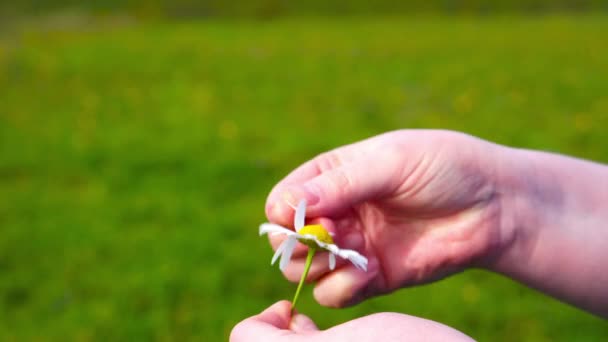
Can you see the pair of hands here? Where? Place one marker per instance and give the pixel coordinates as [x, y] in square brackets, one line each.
[424, 204]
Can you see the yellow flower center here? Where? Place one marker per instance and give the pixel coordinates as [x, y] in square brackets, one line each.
[318, 231]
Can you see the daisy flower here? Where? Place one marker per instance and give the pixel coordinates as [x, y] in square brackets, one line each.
[316, 237]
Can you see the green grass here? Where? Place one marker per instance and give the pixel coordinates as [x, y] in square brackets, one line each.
[135, 160]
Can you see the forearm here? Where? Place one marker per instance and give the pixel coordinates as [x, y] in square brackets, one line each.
[555, 226]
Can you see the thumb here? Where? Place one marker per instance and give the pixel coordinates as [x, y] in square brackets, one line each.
[277, 315]
[338, 189]
[271, 323]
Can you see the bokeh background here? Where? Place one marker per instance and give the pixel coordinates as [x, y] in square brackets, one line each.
[138, 142]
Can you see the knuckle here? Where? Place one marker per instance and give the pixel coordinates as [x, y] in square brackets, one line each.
[340, 181]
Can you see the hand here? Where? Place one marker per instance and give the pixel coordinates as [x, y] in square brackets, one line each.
[420, 205]
[274, 325]
[423, 204]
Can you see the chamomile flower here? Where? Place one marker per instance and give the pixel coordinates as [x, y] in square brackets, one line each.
[314, 236]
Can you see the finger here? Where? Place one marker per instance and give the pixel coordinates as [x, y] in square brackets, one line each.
[346, 286]
[321, 163]
[277, 315]
[335, 191]
[271, 323]
[301, 174]
[283, 214]
[336, 180]
[280, 201]
[342, 188]
[301, 324]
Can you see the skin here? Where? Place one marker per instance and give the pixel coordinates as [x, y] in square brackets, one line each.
[424, 204]
[276, 324]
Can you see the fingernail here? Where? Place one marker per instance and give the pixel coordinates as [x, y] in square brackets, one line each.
[294, 195]
[301, 323]
[296, 322]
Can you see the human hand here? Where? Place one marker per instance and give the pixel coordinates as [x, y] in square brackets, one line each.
[419, 204]
[275, 324]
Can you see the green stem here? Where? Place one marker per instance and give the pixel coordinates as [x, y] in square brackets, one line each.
[311, 253]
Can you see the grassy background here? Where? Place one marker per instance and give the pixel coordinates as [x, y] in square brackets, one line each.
[135, 158]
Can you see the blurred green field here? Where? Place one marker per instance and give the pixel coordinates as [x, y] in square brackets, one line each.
[135, 158]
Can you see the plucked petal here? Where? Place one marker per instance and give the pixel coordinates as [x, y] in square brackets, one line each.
[290, 244]
[300, 216]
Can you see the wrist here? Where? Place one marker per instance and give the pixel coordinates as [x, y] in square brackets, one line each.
[552, 230]
[521, 210]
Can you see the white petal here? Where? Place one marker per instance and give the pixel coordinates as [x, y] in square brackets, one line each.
[274, 229]
[327, 246]
[332, 261]
[290, 244]
[357, 259]
[279, 251]
[353, 256]
[300, 216]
